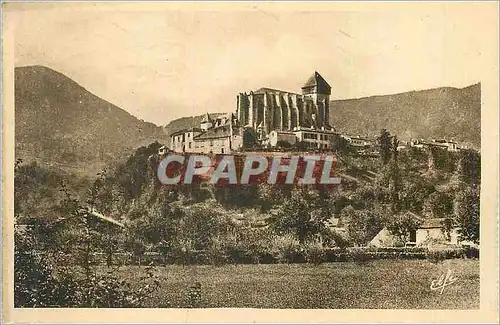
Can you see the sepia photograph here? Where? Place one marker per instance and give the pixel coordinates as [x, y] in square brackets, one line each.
[285, 156]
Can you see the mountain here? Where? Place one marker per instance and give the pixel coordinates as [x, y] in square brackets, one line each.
[436, 113]
[60, 123]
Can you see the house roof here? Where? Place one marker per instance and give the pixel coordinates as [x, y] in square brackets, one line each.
[358, 137]
[414, 216]
[206, 118]
[215, 133]
[384, 238]
[106, 219]
[316, 80]
[186, 130]
[98, 216]
[433, 223]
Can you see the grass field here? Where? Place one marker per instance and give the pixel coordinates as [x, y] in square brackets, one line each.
[403, 284]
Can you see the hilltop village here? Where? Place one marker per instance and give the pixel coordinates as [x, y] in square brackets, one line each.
[272, 119]
[385, 207]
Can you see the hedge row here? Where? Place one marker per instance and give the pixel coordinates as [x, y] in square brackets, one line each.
[312, 255]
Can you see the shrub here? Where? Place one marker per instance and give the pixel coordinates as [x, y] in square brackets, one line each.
[216, 254]
[435, 256]
[286, 249]
[315, 254]
[38, 284]
[182, 252]
[471, 252]
[336, 255]
[358, 255]
[237, 254]
[34, 283]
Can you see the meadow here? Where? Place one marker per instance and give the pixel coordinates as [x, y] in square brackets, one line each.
[391, 284]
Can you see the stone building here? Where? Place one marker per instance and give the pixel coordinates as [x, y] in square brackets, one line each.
[271, 109]
[215, 135]
[278, 137]
[268, 117]
[313, 138]
[359, 141]
[448, 145]
[183, 140]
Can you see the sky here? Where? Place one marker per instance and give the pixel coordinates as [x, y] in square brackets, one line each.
[161, 62]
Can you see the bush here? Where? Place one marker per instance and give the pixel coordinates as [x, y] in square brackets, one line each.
[336, 255]
[34, 282]
[471, 252]
[216, 254]
[38, 284]
[315, 254]
[182, 252]
[435, 256]
[286, 249]
[359, 255]
[237, 254]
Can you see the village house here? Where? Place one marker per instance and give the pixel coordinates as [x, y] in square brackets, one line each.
[183, 140]
[316, 138]
[432, 231]
[448, 145]
[278, 137]
[310, 137]
[359, 141]
[215, 135]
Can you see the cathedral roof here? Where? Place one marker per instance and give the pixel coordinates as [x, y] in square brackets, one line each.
[271, 90]
[316, 80]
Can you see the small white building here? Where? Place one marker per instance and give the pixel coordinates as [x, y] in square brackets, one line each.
[322, 138]
[434, 230]
[385, 238]
[358, 141]
[183, 140]
[276, 137]
[448, 145]
[430, 232]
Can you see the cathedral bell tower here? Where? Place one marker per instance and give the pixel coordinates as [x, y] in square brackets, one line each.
[319, 91]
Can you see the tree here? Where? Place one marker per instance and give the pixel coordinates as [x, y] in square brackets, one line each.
[403, 224]
[468, 169]
[385, 146]
[467, 212]
[362, 225]
[395, 186]
[270, 195]
[438, 205]
[395, 144]
[303, 215]
[413, 193]
[341, 145]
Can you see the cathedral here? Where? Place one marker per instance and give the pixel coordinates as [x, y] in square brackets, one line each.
[269, 109]
[278, 118]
